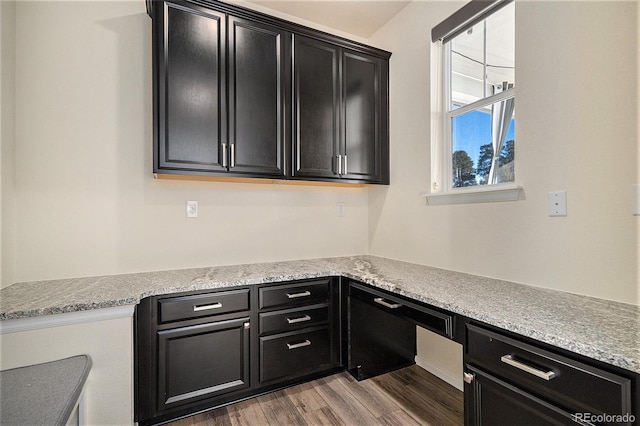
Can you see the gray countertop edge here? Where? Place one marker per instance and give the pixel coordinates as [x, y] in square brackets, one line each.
[603, 330]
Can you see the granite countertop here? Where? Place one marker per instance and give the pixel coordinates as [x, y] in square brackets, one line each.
[600, 329]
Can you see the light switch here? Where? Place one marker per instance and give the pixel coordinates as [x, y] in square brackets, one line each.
[636, 198]
[558, 203]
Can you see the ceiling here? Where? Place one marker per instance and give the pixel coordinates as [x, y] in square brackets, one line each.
[360, 18]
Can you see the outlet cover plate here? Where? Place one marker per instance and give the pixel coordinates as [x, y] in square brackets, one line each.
[558, 203]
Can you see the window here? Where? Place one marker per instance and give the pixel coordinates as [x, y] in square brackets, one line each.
[473, 142]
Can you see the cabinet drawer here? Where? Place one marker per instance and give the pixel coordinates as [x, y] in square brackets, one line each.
[294, 319]
[569, 384]
[202, 305]
[294, 354]
[294, 294]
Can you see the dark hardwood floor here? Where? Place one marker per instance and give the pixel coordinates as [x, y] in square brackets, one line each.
[409, 396]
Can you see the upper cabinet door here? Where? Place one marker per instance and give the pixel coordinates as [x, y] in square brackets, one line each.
[189, 75]
[361, 124]
[316, 108]
[258, 93]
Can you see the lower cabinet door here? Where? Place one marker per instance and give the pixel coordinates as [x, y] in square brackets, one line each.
[294, 354]
[491, 402]
[202, 361]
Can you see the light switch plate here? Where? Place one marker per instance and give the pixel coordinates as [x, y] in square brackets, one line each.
[636, 198]
[558, 203]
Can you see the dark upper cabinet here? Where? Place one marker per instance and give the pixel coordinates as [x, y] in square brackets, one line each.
[340, 113]
[316, 109]
[363, 124]
[209, 120]
[189, 84]
[258, 89]
[239, 93]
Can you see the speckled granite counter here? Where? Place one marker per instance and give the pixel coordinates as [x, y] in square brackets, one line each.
[600, 329]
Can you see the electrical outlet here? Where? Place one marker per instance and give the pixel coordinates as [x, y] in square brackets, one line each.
[558, 203]
[340, 209]
[192, 209]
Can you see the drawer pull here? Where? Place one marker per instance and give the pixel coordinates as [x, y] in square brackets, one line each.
[547, 375]
[301, 294]
[296, 320]
[216, 305]
[298, 345]
[383, 302]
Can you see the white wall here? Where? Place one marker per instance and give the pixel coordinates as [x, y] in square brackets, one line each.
[7, 138]
[109, 387]
[87, 200]
[576, 130]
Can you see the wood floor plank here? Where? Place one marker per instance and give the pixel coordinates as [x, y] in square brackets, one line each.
[217, 417]
[407, 397]
[399, 418]
[280, 409]
[247, 413]
[370, 396]
[324, 416]
[343, 403]
[305, 397]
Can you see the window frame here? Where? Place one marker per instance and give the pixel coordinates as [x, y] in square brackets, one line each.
[441, 191]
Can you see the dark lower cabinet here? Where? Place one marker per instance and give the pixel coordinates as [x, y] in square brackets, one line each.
[495, 402]
[300, 329]
[202, 361]
[199, 350]
[509, 381]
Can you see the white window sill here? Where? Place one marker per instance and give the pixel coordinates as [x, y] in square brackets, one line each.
[484, 194]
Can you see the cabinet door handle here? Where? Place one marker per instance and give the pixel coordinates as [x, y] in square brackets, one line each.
[233, 155]
[224, 155]
[301, 294]
[339, 164]
[508, 359]
[297, 320]
[345, 164]
[298, 345]
[383, 302]
[216, 305]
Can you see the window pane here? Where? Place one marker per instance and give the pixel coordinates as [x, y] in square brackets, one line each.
[467, 66]
[473, 144]
[483, 58]
[500, 46]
